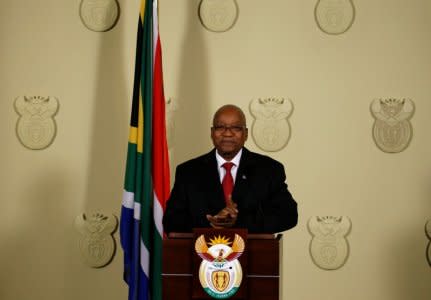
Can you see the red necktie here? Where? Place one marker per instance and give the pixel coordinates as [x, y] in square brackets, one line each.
[227, 182]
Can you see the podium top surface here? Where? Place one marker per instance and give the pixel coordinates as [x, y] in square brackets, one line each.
[251, 236]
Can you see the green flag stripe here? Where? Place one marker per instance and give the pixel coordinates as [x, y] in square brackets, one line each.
[156, 267]
[146, 95]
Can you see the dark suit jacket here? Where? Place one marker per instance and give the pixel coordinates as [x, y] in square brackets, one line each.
[264, 202]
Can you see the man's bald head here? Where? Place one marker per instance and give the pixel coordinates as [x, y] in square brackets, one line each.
[230, 108]
[229, 131]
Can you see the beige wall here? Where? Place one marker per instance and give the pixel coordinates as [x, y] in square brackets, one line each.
[274, 50]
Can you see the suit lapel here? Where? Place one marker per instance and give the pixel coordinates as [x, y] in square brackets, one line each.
[214, 188]
[240, 188]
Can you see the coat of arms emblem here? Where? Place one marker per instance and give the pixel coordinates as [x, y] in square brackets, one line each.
[220, 273]
[96, 244]
[271, 128]
[329, 248]
[36, 126]
[392, 130]
[218, 15]
[99, 15]
[334, 16]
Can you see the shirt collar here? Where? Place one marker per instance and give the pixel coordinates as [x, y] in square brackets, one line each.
[235, 160]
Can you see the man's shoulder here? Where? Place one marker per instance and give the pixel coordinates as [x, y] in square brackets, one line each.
[248, 157]
[197, 161]
[258, 158]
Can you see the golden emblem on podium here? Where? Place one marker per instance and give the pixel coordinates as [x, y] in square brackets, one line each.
[220, 272]
[220, 280]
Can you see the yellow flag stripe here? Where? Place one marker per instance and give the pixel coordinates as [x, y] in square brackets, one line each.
[133, 135]
[142, 10]
[136, 134]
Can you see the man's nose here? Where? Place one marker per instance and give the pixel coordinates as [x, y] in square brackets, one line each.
[228, 131]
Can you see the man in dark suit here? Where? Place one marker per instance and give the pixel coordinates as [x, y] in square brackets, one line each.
[230, 186]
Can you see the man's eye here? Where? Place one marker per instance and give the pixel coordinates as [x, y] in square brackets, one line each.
[223, 128]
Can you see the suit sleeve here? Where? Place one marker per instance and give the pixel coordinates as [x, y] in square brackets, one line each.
[278, 211]
[176, 217]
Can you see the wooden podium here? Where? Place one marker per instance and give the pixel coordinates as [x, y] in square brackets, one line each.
[259, 262]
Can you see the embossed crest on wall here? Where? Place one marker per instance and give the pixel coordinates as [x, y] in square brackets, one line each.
[392, 130]
[329, 248]
[334, 16]
[218, 15]
[36, 127]
[271, 129]
[96, 243]
[99, 15]
[428, 233]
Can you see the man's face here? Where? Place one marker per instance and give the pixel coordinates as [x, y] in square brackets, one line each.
[229, 132]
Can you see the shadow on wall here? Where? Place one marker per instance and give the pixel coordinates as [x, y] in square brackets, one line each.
[106, 156]
[191, 121]
[110, 122]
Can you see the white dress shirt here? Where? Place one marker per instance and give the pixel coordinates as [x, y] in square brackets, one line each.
[221, 161]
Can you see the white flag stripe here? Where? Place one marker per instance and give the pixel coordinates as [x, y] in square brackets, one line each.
[158, 215]
[137, 211]
[128, 199]
[155, 29]
[145, 259]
